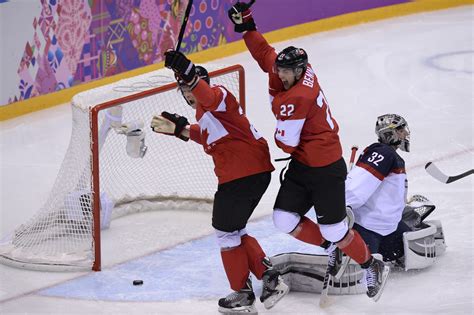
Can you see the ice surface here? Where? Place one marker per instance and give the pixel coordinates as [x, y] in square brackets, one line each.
[419, 66]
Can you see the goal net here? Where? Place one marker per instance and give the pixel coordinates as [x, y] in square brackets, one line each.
[115, 165]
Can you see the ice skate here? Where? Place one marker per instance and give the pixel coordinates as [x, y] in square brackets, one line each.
[376, 277]
[274, 289]
[240, 302]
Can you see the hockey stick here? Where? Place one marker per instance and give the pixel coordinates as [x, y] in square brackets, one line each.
[183, 25]
[324, 300]
[434, 171]
[345, 259]
[353, 154]
[350, 215]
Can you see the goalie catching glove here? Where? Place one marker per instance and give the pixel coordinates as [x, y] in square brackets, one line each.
[241, 15]
[170, 124]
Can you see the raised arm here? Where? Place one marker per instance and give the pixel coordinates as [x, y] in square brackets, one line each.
[241, 15]
[261, 51]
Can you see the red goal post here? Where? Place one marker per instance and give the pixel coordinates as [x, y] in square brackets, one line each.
[95, 144]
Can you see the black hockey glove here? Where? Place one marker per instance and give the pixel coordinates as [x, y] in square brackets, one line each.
[180, 123]
[241, 15]
[181, 65]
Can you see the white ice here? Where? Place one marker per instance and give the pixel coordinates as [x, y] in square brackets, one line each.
[419, 66]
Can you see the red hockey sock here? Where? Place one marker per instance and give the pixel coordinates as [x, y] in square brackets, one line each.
[255, 255]
[236, 266]
[308, 232]
[354, 246]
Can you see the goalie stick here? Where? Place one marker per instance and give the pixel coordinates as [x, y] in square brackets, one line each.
[434, 171]
[324, 300]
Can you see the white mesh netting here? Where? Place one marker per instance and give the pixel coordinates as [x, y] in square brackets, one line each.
[173, 174]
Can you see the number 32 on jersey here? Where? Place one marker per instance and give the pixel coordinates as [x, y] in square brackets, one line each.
[375, 158]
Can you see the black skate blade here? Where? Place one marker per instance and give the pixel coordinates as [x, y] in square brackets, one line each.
[386, 272]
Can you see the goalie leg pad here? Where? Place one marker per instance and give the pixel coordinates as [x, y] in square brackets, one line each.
[305, 273]
[419, 248]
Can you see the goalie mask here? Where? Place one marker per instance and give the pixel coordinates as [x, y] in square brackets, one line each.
[202, 73]
[393, 130]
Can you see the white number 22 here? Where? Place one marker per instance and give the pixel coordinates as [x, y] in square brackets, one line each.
[376, 158]
[287, 110]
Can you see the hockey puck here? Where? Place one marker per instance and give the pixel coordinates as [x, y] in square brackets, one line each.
[137, 282]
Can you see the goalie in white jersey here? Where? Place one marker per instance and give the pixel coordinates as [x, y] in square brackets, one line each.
[376, 191]
[243, 168]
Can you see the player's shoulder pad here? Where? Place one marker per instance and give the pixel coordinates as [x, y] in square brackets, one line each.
[381, 148]
[222, 88]
[379, 159]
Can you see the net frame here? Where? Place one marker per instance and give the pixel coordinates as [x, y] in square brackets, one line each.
[92, 110]
[95, 162]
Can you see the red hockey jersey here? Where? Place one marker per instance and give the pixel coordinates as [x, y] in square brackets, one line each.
[305, 127]
[227, 135]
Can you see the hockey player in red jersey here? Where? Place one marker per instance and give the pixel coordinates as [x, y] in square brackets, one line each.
[243, 168]
[306, 130]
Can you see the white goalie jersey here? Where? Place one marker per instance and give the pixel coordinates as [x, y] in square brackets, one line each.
[376, 189]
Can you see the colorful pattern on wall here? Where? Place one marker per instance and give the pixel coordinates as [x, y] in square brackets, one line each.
[76, 41]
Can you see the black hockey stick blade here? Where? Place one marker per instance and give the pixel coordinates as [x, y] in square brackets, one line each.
[183, 25]
[434, 171]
